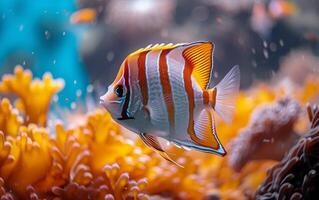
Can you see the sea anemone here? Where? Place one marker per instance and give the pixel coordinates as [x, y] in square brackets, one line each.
[296, 176]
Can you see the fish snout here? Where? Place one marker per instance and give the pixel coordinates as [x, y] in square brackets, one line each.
[103, 100]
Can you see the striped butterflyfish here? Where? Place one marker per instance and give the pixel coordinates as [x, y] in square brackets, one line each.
[163, 92]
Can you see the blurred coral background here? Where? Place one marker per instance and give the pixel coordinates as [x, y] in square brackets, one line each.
[57, 57]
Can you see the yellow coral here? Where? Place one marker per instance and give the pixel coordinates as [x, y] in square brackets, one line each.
[10, 121]
[98, 159]
[34, 95]
[26, 148]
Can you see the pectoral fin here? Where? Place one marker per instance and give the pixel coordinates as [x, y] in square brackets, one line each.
[153, 142]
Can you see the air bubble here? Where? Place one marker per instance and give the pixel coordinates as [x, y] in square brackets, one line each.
[273, 47]
[78, 93]
[110, 56]
[21, 27]
[266, 54]
[73, 105]
[89, 88]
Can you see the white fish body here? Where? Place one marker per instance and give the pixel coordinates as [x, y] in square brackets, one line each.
[162, 91]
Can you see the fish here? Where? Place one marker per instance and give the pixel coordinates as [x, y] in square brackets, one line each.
[83, 16]
[163, 91]
[282, 8]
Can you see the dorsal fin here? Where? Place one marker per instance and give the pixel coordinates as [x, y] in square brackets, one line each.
[155, 47]
[199, 55]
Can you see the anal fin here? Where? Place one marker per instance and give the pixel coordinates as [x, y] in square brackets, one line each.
[204, 136]
[203, 130]
[153, 142]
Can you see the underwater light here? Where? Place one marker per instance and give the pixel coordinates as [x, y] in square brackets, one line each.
[142, 6]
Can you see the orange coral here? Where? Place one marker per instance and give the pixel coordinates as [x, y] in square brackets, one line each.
[98, 159]
[26, 148]
[10, 121]
[34, 95]
[111, 185]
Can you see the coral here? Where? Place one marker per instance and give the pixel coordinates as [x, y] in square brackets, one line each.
[100, 131]
[10, 121]
[72, 161]
[139, 160]
[268, 135]
[299, 66]
[164, 177]
[30, 144]
[296, 176]
[92, 157]
[34, 95]
[231, 185]
[65, 167]
[4, 193]
[112, 185]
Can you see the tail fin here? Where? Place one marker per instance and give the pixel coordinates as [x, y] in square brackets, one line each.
[222, 97]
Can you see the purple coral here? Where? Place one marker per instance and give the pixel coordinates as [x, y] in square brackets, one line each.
[268, 135]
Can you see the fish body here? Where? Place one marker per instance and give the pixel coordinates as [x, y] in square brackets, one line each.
[162, 91]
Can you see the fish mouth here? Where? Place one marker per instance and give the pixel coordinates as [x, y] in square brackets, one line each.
[125, 118]
[102, 101]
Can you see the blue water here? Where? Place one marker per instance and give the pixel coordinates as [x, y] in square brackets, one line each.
[38, 36]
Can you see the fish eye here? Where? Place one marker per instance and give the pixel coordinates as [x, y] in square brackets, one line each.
[119, 90]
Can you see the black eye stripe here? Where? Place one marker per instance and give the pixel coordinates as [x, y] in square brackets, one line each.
[127, 98]
[119, 90]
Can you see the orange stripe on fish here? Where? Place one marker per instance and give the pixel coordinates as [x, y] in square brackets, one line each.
[194, 66]
[205, 97]
[212, 96]
[142, 76]
[167, 90]
[190, 94]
